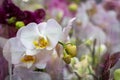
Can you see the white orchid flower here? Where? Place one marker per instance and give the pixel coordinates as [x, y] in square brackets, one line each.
[40, 36]
[15, 53]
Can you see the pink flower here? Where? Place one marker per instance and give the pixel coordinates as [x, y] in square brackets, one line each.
[60, 5]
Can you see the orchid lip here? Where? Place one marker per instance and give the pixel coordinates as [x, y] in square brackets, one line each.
[41, 43]
[28, 59]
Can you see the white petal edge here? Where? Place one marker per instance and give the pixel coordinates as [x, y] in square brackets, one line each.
[53, 31]
[41, 27]
[28, 34]
[14, 50]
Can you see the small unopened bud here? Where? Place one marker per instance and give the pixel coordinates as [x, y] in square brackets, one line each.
[19, 24]
[67, 58]
[59, 15]
[73, 7]
[11, 20]
[71, 50]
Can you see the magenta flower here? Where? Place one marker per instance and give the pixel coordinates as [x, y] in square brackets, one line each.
[39, 15]
[36, 16]
[60, 6]
[12, 10]
[9, 9]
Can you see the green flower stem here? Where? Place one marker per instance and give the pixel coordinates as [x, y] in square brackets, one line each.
[69, 43]
[61, 43]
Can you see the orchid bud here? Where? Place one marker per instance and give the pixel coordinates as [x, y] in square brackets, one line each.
[71, 50]
[117, 74]
[19, 24]
[59, 15]
[11, 20]
[73, 7]
[66, 58]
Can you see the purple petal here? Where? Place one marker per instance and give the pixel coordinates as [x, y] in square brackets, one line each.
[29, 17]
[39, 15]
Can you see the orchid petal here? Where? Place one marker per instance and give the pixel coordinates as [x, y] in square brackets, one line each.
[14, 77]
[29, 64]
[43, 57]
[28, 34]
[14, 50]
[32, 51]
[24, 73]
[67, 29]
[53, 33]
[55, 71]
[41, 27]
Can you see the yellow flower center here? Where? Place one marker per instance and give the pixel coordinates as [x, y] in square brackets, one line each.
[28, 59]
[41, 43]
